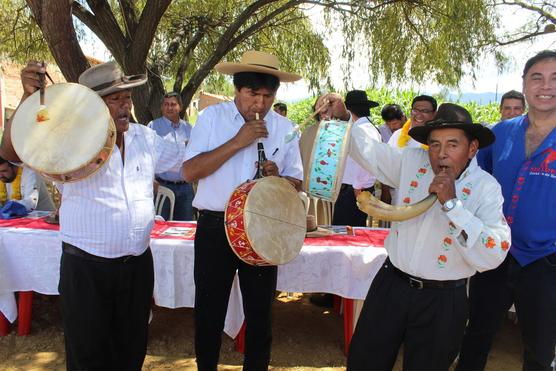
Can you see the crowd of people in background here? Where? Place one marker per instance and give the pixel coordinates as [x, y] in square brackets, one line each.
[493, 225]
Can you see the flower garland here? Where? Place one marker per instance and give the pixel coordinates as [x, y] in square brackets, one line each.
[404, 136]
[16, 188]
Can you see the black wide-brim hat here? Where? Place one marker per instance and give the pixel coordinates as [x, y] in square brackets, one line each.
[359, 98]
[451, 115]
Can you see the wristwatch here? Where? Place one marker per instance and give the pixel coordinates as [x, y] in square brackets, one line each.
[450, 204]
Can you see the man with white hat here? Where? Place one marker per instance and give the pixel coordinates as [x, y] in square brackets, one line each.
[106, 270]
[222, 154]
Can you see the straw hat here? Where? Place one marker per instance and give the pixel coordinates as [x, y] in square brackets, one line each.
[255, 61]
[107, 78]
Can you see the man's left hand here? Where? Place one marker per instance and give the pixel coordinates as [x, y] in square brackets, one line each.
[444, 186]
[270, 168]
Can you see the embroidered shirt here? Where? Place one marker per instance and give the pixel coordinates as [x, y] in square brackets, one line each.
[111, 213]
[218, 124]
[434, 245]
[528, 186]
[177, 134]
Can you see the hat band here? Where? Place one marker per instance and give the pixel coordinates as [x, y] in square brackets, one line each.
[263, 65]
[105, 85]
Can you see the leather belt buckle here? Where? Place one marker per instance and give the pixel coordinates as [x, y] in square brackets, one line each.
[415, 283]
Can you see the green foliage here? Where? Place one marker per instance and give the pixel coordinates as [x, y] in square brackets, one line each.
[299, 111]
[20, 37]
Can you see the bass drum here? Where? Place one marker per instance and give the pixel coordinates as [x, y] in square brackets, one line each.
[265, 221]
[328, 159]
[74, 142]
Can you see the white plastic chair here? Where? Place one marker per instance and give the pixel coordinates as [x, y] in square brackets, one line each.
[162, 194]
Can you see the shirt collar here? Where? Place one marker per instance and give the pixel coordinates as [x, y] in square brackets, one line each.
[169, 122]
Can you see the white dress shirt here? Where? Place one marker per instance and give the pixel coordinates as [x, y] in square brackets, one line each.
[218, 124]
[111, 213]
[354, 174]
[433, 245]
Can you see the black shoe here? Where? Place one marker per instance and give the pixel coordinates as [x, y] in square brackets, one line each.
[322, 300]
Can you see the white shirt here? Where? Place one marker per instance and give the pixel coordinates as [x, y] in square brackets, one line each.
[411, 143]
[354, 174]
[111, 213]
[218, 124]
[28, 189]
[432, 245]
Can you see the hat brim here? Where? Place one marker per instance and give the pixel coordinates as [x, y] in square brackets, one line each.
[368, 103]
[230, 68]
[131, 82]
[484, 135]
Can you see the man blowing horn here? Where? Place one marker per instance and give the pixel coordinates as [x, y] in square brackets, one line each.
[418, 297]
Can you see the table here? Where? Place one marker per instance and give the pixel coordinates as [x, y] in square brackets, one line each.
[341, 265]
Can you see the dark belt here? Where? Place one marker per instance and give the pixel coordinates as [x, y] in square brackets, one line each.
[420, 283]
[164, 181]
[212, 214]
[75, 251]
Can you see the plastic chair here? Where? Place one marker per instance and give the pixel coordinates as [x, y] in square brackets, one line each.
[162, 194]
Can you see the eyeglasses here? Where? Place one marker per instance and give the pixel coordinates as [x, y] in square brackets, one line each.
[417, 110]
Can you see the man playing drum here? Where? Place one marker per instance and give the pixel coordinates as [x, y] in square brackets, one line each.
[222, 154]
[106, 272]
[418, 297]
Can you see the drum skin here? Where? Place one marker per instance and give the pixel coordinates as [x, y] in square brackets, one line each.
[265, 221]
[74, 143]
[328, 159]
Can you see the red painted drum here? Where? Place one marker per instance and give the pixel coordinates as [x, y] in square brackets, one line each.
[265, 221]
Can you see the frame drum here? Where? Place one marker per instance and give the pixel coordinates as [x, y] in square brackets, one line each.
[265, 221]
[74, 142]
[328, 158]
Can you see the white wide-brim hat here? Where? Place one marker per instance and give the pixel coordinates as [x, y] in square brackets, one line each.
[255, 61]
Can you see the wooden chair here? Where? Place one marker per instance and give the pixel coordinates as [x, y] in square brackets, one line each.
[161, 196]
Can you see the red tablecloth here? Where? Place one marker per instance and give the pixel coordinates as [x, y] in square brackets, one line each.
[163, 230]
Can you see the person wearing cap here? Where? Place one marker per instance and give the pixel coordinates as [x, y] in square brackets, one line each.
[418, 298]
[106, 270]
[171, 127]
[355, 179]
[523, 160]
[221, 155]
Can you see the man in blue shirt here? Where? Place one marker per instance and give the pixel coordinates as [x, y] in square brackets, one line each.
[523, 160]
[171, 127]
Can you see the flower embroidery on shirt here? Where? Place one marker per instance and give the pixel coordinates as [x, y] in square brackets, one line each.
[422, 171]
[466, 191]
[452, 228]
[505, 245]
[488, 241]
[414, 184]
[406, 200]
[447, 243]
[442, 260]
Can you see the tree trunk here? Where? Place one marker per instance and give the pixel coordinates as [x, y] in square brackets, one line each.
[55, 21]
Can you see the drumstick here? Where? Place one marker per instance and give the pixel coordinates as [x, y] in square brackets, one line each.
[317, 111]
[42, 113]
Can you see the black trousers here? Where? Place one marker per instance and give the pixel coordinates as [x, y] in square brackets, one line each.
[346, 211]
[105, 311]
[429, 322]
[532, 289]
[215, 268]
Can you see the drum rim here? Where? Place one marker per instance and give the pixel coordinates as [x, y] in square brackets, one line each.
[110, 127]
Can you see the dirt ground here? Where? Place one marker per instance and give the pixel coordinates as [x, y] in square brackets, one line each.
[306, 337]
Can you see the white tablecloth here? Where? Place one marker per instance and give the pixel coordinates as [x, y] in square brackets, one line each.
[30, 261]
